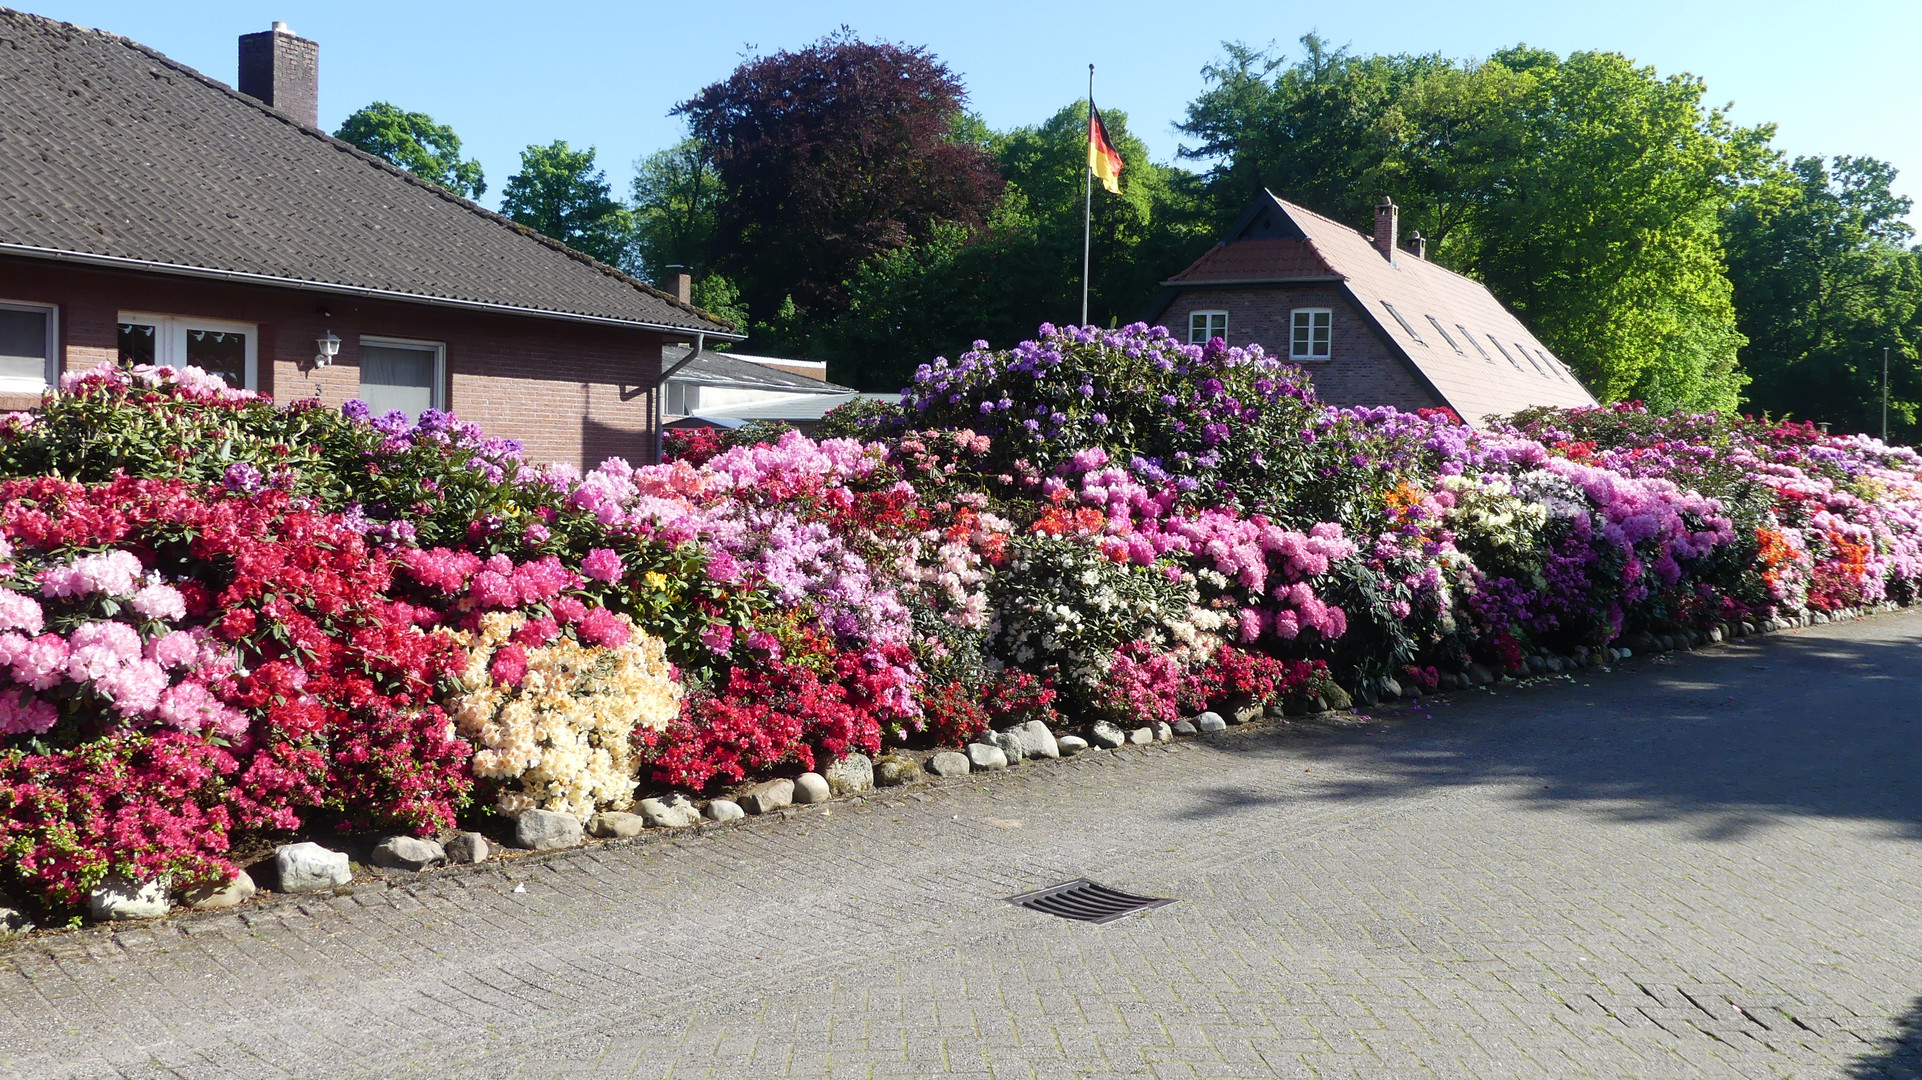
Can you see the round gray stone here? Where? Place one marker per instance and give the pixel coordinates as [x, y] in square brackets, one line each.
[1036, 740]
[213, 895]
[1106, 735]
[1211, 721]
[117, 898]
[767, 798]
[1070, 745]
[610, 824]
[408, 853]
[467, 847]
[671, 811]
[1186, 727]
[546, 830]
[724, 810]
[811, 787]
[308, 867]
[949, 763]
[851, 774]
[981, 756]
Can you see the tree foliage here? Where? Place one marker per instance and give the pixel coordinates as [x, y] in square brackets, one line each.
[830, 156]
[413, 141]
[560, 194]
[674, 196]
[1824, 282]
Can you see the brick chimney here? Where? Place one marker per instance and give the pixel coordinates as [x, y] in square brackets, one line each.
[1417, 245]
[282, 70]
[1387, 221]
[680, 283]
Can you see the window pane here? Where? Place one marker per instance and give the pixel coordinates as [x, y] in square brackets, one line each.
[1218, 325]
[136, 343]
[23, 345]
[397, 377]
[1323, 320]
[219, 352]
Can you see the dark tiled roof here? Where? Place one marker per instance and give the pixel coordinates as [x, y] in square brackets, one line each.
[112, 153]
[721, 369]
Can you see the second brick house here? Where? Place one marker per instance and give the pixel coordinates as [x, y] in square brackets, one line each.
[1371, 320]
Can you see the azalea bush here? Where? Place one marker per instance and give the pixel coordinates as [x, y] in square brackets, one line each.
[222, 616]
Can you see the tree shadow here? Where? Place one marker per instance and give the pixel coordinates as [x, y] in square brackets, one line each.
[1727, 739]
[1899, 1057]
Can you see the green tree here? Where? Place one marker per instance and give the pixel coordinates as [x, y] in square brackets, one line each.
[413, 141]
[830, 156]
[560, 194]
[1022, 266]
[1586, 191]
[674, 196]
[1824, 281]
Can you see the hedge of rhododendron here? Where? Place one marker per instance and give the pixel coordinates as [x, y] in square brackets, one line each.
[222, 617]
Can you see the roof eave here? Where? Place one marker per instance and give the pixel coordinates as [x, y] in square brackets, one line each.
[121, 262]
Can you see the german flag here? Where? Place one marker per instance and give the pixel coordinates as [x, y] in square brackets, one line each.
[1103, 159]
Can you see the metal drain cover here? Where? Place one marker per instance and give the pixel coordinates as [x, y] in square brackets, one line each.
[1085, 901]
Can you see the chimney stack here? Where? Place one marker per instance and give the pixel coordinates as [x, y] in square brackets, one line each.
[1418, 245]
[282, 70]
[680, 283]
[1387, 221]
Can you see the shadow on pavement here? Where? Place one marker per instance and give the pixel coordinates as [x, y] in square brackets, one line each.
[1724, 740]
[1900, 1057]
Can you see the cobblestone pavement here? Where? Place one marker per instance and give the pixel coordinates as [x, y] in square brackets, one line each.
[1705, 869]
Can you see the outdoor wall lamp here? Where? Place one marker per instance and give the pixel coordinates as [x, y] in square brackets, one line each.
[329, 347]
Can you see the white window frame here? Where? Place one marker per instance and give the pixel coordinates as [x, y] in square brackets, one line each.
[437, 399]
[1294, 315]
[50, 377]
[1208, 324]
[681, 388]
[170, 339]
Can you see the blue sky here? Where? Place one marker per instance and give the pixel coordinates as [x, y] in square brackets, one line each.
[1837, 77]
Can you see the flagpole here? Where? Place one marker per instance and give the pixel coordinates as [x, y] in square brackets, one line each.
[1087, 205]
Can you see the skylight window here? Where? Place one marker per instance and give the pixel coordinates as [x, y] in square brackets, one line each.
[1523, 349]
[1405, 324]
[1471, 340]
[1504, 352]
[1554, 367]
[1443, 331]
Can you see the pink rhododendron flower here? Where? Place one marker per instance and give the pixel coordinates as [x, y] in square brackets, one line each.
[602, 627]
[159, 602]
[115, 573]
[23, 714]
[174, 649]
[602, 564]
[718, 638]
[18, 612]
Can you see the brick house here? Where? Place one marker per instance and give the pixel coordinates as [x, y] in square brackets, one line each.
[1371, 320]
[150, 213]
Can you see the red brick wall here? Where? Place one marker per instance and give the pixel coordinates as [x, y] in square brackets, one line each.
[1362, 369]
[570, 392]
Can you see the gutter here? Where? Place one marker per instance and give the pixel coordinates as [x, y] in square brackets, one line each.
[118, 262]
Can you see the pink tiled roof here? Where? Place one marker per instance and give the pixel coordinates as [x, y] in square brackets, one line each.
[1258, 260]
[1499, 369]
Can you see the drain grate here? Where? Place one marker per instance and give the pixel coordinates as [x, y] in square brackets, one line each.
[1085, 901]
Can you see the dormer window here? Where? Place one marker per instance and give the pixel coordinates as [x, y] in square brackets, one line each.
[1205, 326]
[1312, 336]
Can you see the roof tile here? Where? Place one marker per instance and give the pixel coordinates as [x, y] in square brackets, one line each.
[109, 149]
